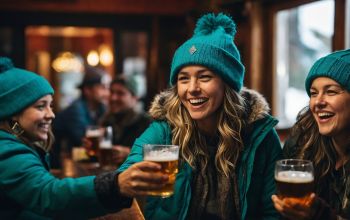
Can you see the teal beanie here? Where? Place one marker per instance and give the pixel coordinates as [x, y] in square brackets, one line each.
[335, 66]
[19, 88]
[212, 46]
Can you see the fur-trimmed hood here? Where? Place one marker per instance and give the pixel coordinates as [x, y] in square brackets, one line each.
[257, 106]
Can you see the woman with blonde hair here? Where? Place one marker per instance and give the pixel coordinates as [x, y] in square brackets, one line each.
[322, 135]
[228, 145]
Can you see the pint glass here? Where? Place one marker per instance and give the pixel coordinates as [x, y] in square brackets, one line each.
[93, 134]
[105, 156]
[167, 156]
[294, 179]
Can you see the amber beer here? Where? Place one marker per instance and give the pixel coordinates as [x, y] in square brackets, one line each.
[295, 184]
[94, 136]
[106, 159]
[106, 152]
[167, 157]
[294, 179]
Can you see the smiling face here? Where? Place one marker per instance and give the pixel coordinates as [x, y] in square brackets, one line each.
[330, 105]
[36, 119]
[121, 99]
[201, 92]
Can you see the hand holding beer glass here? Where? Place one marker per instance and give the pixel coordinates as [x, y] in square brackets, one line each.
[295, 180]
[167, 156]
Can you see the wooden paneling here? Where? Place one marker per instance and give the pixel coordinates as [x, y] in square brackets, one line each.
[164, 7]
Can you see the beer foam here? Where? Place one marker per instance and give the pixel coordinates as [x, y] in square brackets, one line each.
[294, 177]
[93, 133]
[161, 156]
[106, 144]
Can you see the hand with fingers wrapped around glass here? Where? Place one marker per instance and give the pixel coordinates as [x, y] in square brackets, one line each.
[227, 142]
[321, 135]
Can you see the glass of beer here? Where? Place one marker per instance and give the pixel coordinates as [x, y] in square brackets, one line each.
[294, 180]
[105, 157]
[167, 156]
[93, 134]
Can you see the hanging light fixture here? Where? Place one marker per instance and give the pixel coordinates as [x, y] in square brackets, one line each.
[67, 62]
[93, 58]
[106, 55]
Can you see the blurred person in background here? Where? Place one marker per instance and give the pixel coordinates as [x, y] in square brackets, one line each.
[322, 135]
[27, 189]
[70, 125]
[127, 120]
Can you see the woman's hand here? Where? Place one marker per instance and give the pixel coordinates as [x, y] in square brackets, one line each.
[292, 209]
[140, 178]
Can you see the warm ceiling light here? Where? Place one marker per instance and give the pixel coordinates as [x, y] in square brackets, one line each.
[93, 58]
[106, 55]
[67, 62]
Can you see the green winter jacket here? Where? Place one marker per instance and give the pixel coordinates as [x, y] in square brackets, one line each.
[29, 191]
[256, 170]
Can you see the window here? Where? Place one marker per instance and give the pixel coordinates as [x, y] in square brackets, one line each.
[303, 35]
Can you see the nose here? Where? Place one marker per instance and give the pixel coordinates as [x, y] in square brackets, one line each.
[320, 101]
[194, 85]
[114, 96]
[49, 113]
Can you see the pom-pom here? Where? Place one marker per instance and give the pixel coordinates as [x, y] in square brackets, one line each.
[5, 64]
[209, 23]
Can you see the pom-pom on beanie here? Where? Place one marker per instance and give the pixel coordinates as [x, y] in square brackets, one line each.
[212, 46]
[335, 66]
[19, 88]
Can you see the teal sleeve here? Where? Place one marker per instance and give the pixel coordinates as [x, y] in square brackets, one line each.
[25, 180]
[273, 153]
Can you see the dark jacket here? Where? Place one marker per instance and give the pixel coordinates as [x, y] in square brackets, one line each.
[127, 126]
[71, 123]
[256, 172]
[29, 191]
[69, 127]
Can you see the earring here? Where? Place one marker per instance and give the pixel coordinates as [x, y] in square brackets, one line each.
[17, 129]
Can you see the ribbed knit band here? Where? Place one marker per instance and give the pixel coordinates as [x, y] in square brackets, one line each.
[20, 88]
[334, 67]
[216, 59]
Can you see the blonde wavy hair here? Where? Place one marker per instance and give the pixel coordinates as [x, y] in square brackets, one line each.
[314, 146]
[192, 144]
[7, 125]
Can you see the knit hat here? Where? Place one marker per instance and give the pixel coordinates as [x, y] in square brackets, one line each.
[19, 88]
[212, 46]
[93, 76]
[335, 66]
[128, 81]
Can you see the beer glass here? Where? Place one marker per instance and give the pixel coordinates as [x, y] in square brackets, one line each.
[105, 157]
[294, 179]
[93, 134]
[167, 156]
